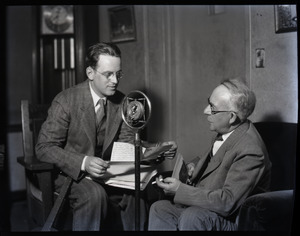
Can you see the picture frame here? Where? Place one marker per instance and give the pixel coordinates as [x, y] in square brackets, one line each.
[285, 18]
[122, 24]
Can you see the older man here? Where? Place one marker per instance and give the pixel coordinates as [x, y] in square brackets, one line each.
[233, 168]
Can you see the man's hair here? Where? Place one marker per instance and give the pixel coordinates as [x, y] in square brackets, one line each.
[98, 49]
[242, 98]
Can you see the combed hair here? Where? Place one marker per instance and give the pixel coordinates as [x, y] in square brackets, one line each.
[98, 49]
[242, 98]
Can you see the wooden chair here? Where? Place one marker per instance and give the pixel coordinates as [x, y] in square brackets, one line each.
[39, 181]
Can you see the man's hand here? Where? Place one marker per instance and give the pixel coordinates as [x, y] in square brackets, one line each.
[170, 154]
[191, 168]
[95, 166]
[169, 184]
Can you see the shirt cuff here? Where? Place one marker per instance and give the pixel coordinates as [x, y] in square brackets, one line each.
[83, 164]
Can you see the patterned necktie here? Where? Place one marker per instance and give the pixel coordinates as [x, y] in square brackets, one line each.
[100, 113]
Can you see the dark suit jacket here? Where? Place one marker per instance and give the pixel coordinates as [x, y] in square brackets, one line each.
[69, 133]
[240, 168]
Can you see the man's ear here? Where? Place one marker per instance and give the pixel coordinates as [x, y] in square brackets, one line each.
[234, 119]
[89, 73]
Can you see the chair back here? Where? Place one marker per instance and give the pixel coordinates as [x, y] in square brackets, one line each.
[281, 141]
[33, 116]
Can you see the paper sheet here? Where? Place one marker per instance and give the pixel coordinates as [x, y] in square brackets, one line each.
[122, 152]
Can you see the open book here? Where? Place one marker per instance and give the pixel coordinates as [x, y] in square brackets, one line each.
[122, 175]
[121, 172]
[126, 152]
[180, 170]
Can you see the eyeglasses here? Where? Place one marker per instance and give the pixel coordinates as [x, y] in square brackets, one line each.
[216, 112]
[109, 75]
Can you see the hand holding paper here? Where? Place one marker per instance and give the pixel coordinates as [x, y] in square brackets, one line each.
[157, 154]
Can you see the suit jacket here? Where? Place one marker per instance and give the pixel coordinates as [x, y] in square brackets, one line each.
[69, 132]
[240, 168]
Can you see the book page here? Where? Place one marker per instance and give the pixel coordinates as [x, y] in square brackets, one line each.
[122, 152]
[122, 174]
[180, 170]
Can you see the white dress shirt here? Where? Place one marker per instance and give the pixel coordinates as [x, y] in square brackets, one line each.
[218, 143]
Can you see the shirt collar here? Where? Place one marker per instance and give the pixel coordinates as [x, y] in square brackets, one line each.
[95, 96]
[225, 136]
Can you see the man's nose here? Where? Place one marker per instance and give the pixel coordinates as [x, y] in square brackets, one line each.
[114, 78]
[207, 110]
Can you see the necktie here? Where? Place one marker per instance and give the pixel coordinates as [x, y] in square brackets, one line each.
[219, 137]
[100, 113]
[100, 127]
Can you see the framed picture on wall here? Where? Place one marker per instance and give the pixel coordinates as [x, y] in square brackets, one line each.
[122, 24]
[285, 18]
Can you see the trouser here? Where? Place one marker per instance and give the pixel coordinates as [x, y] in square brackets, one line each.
[97, 207]
[165, 215]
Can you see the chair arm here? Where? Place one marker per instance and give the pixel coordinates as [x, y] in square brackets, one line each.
[36, 165]
[270, 211]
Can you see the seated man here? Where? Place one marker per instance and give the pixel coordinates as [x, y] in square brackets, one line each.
[235, 167]
[82, 124]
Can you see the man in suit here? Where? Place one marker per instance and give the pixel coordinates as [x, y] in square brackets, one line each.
[232, 169]
[82, 124]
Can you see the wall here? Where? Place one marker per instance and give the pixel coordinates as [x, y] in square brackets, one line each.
[181, 54]
[208, 48]
[276, 85]
[19, 85]
[19, 60]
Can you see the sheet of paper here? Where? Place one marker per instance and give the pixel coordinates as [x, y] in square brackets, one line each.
[125, 171]
[122, 152]
[122, 174]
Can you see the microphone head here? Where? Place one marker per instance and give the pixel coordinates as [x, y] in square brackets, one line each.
[136, 110]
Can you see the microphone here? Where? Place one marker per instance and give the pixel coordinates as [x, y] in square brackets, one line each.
[136, 110]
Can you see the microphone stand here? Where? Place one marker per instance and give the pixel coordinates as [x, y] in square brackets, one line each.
[137, 145]
[145, 113]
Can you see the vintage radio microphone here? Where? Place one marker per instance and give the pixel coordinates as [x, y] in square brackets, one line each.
[136, 112]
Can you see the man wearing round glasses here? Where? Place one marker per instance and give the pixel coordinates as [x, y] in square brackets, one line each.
[82, 124]
[234, 167]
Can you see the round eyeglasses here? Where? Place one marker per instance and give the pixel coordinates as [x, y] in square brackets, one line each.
[109, 75]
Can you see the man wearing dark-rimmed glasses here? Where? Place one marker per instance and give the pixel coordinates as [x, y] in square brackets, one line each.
[234, 167]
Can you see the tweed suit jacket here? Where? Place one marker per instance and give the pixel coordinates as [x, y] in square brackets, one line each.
[240, 168]
[69, 132]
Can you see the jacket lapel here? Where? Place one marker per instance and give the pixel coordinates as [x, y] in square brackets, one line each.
[217, 159]
[112, 123]
[200, 165]
[87, 110]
